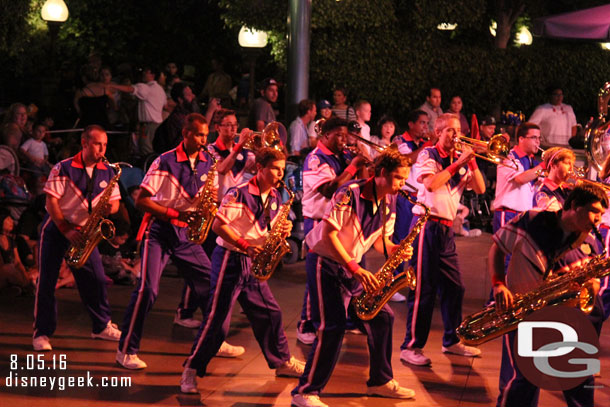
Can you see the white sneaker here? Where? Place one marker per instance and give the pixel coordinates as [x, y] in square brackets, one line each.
[354, 331]
[291, 368]
[110, 333]
[130, 361]
[391, 390]
[398, 297]
[306, 337]
[41, 343]
[415, 357]
[188, 381]
[462, 350]
[191, 323]
[230, 351]
[307, 400]
[474, 233]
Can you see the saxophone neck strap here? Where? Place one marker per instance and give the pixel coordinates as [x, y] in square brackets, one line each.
[90, 183]
[380, 207]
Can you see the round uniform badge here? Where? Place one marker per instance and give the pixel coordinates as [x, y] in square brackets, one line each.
[203, 177]
[585, 248]
[240, 156]
[103, 184]
[273, 206]
[462, 171]
[313, 162]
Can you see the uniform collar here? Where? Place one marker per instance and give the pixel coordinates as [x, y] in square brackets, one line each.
[181, 154]
[77, 162]
[550, 184]
[520, 153]
[324, 149]
[367, 190]
[442, 152]
[221, 146]
[407, 137]
[254, 189]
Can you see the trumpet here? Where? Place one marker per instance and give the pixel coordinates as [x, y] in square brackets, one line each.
[497, 149]
[269, 137]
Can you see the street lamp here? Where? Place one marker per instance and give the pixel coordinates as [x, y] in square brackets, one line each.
[54, 12]
[252, 41]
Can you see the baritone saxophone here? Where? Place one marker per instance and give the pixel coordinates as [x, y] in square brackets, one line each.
[368, 305]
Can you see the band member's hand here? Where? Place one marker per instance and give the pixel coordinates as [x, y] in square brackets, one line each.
[503, 297]
[75, 237]
[359, 161]
[408, 250]
[367, 279]
[287, 228]
[467, 155]
[245, 135]
[187, 216]
[252, 251]
[215, 194]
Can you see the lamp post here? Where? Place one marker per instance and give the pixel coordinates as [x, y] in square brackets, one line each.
[251, 41]
[54, 12]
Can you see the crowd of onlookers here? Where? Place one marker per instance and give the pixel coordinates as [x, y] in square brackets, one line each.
[143, 112]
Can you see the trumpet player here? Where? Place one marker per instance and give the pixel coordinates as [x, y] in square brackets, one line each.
[554, 189]
[360, 215]
[536, 240]
[326, 168]
[73, 189]
[444, 175]
[245, 217]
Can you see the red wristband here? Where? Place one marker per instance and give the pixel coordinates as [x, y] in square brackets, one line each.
[495, 281]
[351, 169]
[453, 168]
[64, 227]
[172, 213]
[352, 266]
[242, 244]
[238, 147]
[472, 165]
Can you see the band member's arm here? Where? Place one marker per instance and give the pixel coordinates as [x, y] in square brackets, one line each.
[227, 163]
[365, 277]
[114, 206]
[65, 227]
[144, 203]
[529, 175]
[328, 189]
[432, 182]
[477, 183]
[228, 235]
[495, 264]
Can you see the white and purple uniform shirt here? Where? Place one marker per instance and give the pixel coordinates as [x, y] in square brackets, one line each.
[242, 169]
[321, 166]
[358, 220]
[550, 196]
[172, 181]
[243, 211]
[407, 146]
[76, 190]
[443, 202]
[509, 194]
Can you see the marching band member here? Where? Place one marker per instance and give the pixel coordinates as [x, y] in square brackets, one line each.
[167, 194]
[444, 176]
[325, 169]
[360, 215]
[536, 240]
[554, 190]
[247, 213]
[73, 189]
[604, 228]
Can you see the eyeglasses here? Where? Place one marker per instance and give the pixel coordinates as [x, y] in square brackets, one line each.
[233, 125]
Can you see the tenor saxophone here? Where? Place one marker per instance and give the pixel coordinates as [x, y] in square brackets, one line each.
[200, 222]
[368, 304]
[97, 226]
[567, 289]
[275, 245]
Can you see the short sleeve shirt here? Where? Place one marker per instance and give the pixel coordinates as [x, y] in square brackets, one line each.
[509, 194]
[243, 167]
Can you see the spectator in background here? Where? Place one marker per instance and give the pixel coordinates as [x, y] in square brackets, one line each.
[261, 113]
[114, 97]
[363, 115]
[91, 101]
[35, 150]
[13, 274]
[169, 133]
[218, 84]
[432, 106]
[120, 270]
[324, 109]
[299, 137]
[556, 119]
[13, 129]
[341, 108]
[387, 128]
[455, 107]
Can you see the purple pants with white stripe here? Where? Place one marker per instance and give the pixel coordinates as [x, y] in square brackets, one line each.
[436, 263]
[331, 293]
[517, 391]
[232, 281]
[163, 240]
[90, 281]
[604, 290]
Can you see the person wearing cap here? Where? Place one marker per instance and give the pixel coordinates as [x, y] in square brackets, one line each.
[299, 137]
[556, 119]
[261, 113]
[325, 112]
[487, 128]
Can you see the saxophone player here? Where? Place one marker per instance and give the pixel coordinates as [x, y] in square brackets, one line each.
[246, 215]
[167, 195]
[360, 215]
[73, 189]
[538, 241]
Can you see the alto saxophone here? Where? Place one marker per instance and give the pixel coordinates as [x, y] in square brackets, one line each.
[566, 289]
[200, 222]
[275, 245]
[97, 226]
[368, 304]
